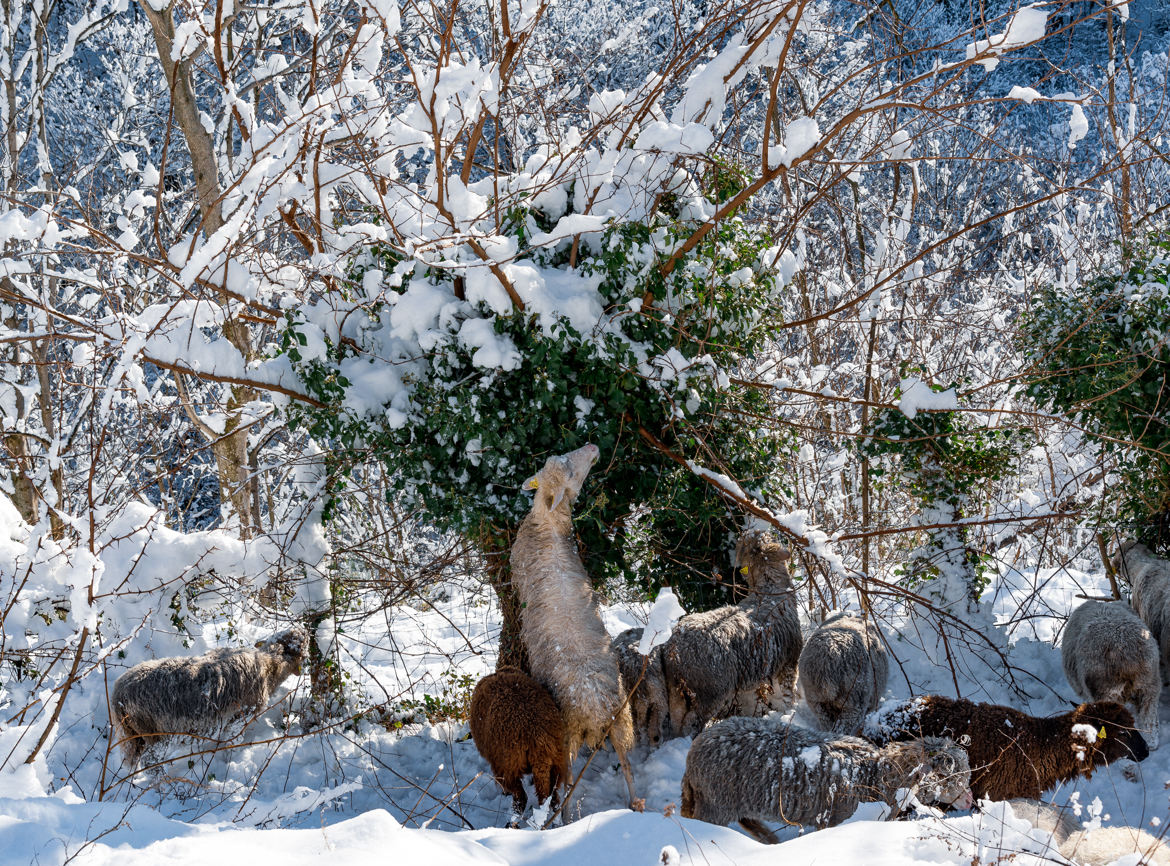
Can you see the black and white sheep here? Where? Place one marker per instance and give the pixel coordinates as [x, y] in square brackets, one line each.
[196, 694]
[757, 770]
[843, 672]
[1110, 655]
[739, 659]
[568, 647]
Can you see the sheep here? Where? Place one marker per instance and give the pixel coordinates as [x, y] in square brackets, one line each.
[1106, 844]
[755, 770]
[1110, 655]
[518, 729]
[568, 648]
[1149, 581]
[1014, 754]
[192, 695]
[843, 672]
[1096, 847]
[739, 659]
[645, 682]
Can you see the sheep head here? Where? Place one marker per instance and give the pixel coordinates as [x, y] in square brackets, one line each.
[937, 767]
[1115, 735]
[561, 478]
[291, 646]
[763, 560]
[1120, 559]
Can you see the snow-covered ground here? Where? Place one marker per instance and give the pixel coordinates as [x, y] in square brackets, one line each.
[365, 789]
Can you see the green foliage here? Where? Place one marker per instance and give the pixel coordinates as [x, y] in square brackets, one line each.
[474, 434]
[451, 704]
[942, 460]
[1102, 354]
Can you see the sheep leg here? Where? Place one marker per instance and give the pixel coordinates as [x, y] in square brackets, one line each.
[758, 831]
[635, 804]
[547, 781]
[515, 787]
[1147, 716]
[849, 721]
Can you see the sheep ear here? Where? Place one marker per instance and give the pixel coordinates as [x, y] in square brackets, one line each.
[532, 483]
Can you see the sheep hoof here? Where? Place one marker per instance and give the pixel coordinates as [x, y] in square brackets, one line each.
[638, 804]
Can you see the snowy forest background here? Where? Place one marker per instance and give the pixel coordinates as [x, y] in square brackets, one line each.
[294, 296]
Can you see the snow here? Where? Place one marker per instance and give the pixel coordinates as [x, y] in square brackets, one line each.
[1024, 94]
[917, 396]
[1025, 27]
[800, 136]
[1078, 125]
[667, 611]
[690, 138]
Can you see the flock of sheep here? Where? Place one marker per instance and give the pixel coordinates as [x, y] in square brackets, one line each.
[721, 671]
[717, 677]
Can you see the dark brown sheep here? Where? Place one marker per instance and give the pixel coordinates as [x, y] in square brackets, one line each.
[518, 729]
[1013, 754]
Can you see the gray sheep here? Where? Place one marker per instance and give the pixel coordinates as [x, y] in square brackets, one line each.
[193, 695]
[568, 647]
[739, 659]
[843, 672]
[1110, 655]
[756, 770]
[1149, 581]
[645, 681]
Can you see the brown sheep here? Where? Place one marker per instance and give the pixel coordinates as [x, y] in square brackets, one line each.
[518, 729]
[1013, 754]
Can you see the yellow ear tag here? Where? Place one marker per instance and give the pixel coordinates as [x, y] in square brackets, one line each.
[532, 483]
[1101, 733]
[743, 569]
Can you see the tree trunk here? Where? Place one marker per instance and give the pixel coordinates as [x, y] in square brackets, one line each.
[230, 450]
[495, 547]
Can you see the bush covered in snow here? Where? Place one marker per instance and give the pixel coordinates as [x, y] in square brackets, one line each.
[624, 332]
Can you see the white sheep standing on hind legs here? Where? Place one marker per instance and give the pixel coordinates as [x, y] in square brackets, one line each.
[568, 648]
